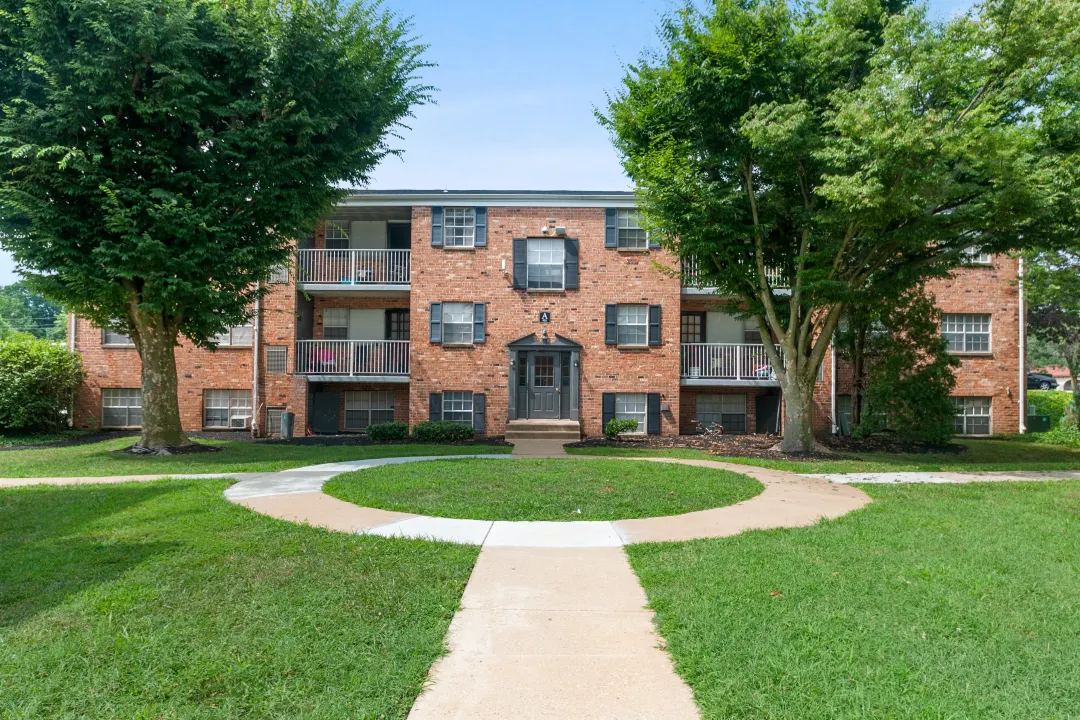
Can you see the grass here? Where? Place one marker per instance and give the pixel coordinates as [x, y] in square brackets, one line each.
[542, 489]
[163, 600]
[933, 602]
[99, 459]
[1011, 453]
[16, 439]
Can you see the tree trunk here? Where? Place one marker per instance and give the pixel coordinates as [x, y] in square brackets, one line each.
[798, 418]
[156, 344]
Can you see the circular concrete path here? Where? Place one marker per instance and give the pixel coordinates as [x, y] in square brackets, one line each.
[788, 500]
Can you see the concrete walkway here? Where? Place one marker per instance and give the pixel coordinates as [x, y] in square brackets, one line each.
[895, 478]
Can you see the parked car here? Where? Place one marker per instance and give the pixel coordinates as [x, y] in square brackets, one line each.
[1041, 381]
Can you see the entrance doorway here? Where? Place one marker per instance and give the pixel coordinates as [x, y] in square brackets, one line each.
[544, 378]
[544, 390]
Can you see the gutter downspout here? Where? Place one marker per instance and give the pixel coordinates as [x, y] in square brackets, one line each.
[255, 366]
[1023, 351]
[832, 388]
[71, 331]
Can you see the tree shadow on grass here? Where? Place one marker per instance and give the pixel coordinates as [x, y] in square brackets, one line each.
[49, 552]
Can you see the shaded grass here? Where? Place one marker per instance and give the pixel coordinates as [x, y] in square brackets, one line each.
[163, 600]
[98, 459]
[17, 439]
[943, 601]
[989, 454]
[528, 489]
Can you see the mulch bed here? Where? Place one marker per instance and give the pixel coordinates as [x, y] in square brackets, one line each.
[354, 439]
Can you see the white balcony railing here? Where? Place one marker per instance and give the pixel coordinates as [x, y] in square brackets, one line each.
[726, 361]
[354, 267]
[352, 357]
[690, 274]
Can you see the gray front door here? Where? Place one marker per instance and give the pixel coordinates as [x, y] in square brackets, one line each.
[544, 382]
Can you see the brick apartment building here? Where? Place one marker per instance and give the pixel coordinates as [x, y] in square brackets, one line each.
[494, 308]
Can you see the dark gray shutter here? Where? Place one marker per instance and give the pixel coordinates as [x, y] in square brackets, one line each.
[611, 324]
[570, 261]
[652, 413]
[435, 323]
[607, 405]
[480, 236]
[654, 325]
[521, 258]
[479, 412]
[435, 407]
[478, 313]
[436, 226]
[611, 231]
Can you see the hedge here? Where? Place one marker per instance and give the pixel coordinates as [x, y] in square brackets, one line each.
[1049, 402]
[38, 380]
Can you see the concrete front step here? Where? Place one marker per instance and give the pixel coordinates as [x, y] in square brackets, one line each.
[562, 430]
[562, 435]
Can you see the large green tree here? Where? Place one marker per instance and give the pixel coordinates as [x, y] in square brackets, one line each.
[158, 156]
[1052, 284]
[845, 143]
[23, 310]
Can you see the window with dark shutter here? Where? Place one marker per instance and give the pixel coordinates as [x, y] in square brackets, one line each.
[611, 229]
[521, 260]
[570, 257]
[479, 314]
[654, 325]
[435, 407]
[479, 413]
[480, 234]
[653, 414]
[611, 324]
[436, 227]
[607, 408]
[435, 323]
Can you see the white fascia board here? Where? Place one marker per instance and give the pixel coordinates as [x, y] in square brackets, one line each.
[491, 199]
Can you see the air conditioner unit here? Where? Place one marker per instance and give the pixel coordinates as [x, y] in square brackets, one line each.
[240, 422]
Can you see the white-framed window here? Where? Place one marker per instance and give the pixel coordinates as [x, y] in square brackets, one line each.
[972, 415]
[727, 411]
[227, 409]
[459, 227]
[335, 324]
[966, 332]
[367, 407]
[273, 421]
[279, 275]
[109, 337]
[633, 324]
[336, 237]
[457, 406]
[236, 336]
[545, 263]
[631, 236]
[121, 408]
[631, 406]
[457, 323]
[277, 359]
[975, 256]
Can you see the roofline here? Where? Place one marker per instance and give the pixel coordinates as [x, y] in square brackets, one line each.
[491, 198]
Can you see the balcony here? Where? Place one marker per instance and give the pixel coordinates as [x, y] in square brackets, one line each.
[690, 284]
[353, 360]
[335, 271]
[726, 364]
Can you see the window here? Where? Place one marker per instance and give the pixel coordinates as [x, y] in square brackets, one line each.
[335, 324]
[544, 371]
[457, 323]
[336, 237]
[459, 227]
[363, 408]
[692, 328]
[273, 421]
[279, 275]
[975, 256]
[457, 407]
[227, 409]
[966, 333]
[631, 236]
[237, 336]
[121, 407]
[727, 411]
[398, 324]
[631, 406]
[545, 264]
[633, 324]
[277, 357]
[972, 415]
[108, 337]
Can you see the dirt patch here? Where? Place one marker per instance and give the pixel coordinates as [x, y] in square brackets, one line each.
[189, 449]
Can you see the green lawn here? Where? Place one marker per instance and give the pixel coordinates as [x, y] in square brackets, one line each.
[100, 459]
[935, 601]
[542, 489]
[16, 440]
[163, 600]
[990, 454]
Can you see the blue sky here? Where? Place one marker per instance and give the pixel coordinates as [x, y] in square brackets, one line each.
[517, 85]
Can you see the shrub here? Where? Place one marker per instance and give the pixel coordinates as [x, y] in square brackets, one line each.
[616, 427]
[442, 431]
[1049, 402]
[38, 380]
[388, 432]
[1060, 436]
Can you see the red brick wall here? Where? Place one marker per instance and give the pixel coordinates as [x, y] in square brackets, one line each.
[477, 275]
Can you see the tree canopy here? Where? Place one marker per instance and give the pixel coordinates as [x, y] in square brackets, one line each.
[1052, 281]
[24, 311]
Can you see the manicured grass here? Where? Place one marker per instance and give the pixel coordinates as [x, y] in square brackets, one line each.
[932, 602]
[99, 459]
[15, 440]
[989, 454]
[163, 600]
[542, 489]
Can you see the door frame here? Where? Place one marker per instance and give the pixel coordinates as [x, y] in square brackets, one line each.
[520, 367]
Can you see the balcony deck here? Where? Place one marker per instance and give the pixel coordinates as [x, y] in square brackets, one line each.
[726, 364]
[384, 361]
[322, 271]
